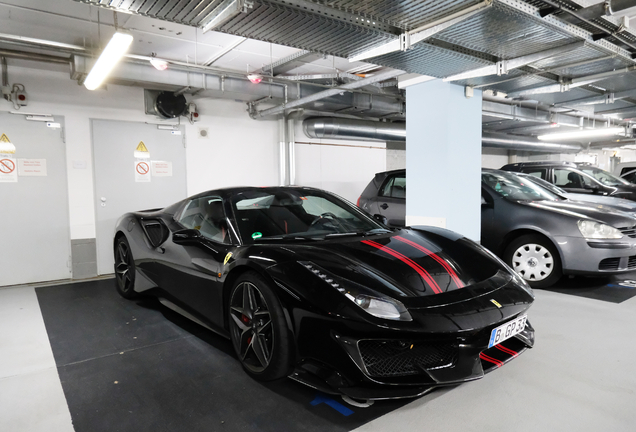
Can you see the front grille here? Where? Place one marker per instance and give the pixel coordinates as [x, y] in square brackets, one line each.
[609, 264]
[384, 358]
[631, 262]
[629, 232]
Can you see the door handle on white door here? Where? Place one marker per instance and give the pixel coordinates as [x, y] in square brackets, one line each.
[384, 206]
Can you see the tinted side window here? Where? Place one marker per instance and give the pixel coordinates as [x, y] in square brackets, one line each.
[395, 187]
[630, 177]
[206, 215]
[537, 172]
[626, 169]
[569, 179]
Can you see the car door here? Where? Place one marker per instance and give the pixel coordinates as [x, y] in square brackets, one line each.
[392, 199]
[194, 257]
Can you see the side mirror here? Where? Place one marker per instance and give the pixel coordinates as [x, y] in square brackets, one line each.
[381, 218]
[185, 236]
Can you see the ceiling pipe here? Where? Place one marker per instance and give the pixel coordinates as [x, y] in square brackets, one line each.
[327, 93]
[34, 57]
[349, 129]
[510, 142]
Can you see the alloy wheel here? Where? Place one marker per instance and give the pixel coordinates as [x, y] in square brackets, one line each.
[251, 327]
[123, 265]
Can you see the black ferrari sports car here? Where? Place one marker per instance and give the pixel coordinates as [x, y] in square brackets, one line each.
[309, 286]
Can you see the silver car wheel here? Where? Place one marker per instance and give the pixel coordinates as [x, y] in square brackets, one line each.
[533, 262]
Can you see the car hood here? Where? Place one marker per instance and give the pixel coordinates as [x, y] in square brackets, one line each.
[581, 210]
[617, 203]
[406, 264]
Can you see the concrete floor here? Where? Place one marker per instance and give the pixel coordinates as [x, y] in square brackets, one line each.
[579, 377]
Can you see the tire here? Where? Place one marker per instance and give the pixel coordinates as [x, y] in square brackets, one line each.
[535, 259]
[124, 269]
[258, 329]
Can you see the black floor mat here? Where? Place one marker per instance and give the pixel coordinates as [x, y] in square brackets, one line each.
[137, 366]
[614, 289]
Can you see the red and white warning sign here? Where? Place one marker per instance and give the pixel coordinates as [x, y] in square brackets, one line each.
[161, 169]
[8, 171]
[142, 171]
[32, 167]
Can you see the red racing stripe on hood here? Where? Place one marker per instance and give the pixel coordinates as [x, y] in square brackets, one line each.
[437, 258]
[415, 266]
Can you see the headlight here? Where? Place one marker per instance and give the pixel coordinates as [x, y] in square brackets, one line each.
[595, 230]
[372, 302]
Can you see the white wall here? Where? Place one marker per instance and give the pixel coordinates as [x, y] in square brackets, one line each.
[493, 158]
[339, 166]
[239, 151]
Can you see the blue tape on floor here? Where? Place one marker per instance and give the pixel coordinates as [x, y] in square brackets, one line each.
[332, 403]
[621, 286]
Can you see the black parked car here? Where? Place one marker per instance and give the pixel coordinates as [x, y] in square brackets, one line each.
[307, 285]
[539, 234]
[577, 178]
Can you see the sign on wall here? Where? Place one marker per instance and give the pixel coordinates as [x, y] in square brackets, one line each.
[8, 168]
[32, 167]
[161, 168]
[142, 163]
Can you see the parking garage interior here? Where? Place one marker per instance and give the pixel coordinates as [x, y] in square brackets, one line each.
[217, 94]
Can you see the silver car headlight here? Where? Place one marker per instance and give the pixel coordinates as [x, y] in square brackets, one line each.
[371, 301]
[595, 230]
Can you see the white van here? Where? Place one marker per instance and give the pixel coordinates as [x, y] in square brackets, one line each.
[624, 168]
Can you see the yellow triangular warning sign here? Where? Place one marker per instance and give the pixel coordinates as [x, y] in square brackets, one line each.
[140, 148]
[5, 138]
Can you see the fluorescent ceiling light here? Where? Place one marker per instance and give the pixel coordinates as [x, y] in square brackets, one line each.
[587, 133]
[115, 49]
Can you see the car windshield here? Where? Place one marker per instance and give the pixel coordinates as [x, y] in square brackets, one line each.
[516, 187]
[546, 185]
[297, 214]
[603, 176]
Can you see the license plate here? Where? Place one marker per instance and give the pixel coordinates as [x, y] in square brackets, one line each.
[507, 330]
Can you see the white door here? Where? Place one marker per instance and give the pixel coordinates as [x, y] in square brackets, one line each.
[124, 181]
[34, 220]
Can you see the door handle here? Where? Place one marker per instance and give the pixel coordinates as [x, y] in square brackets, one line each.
[384, 206]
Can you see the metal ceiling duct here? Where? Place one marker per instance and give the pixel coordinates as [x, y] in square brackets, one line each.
[349, 129]
[510, 142]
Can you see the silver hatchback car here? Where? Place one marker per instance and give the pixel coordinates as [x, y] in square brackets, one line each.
[539, 234]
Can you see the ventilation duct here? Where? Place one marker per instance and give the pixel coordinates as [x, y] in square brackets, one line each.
[349, 129]
[510, 142]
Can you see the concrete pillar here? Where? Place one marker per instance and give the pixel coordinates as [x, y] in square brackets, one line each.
[443, 157]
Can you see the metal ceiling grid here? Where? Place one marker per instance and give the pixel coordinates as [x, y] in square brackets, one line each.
[284, 25]
[519, 78]
[505, 33]
[430, 60]
[178, 11]
[405, 14]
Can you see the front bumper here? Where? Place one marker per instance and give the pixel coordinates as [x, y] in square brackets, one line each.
[392, 366]
[596, 257]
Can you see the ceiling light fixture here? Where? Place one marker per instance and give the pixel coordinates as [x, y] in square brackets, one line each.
[255, 78]
[107, 60]
[159, 64]
[586, 133]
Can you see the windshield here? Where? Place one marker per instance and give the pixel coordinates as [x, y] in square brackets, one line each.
[276, 213]
[515, 187]
[546, 185]
[603, 176]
